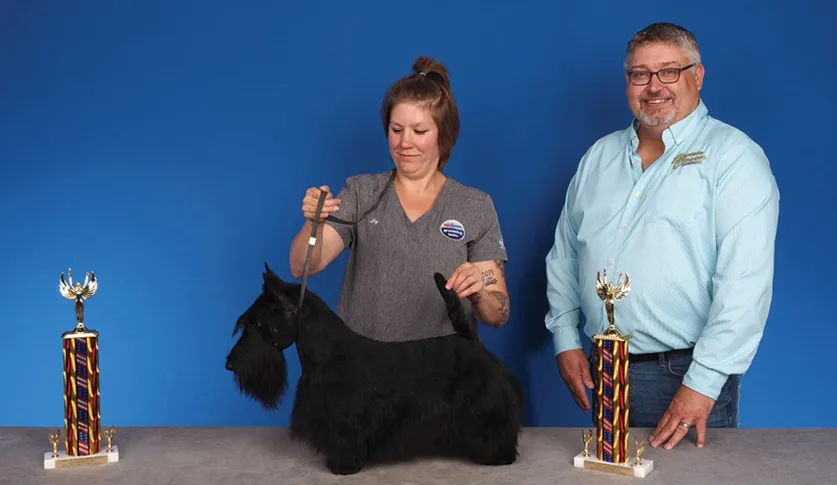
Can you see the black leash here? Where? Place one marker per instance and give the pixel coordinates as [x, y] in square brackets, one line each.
[312, 240]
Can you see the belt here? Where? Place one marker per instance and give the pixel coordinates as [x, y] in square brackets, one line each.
[656, 355]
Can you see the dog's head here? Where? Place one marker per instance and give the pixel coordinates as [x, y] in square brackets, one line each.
[267, 327]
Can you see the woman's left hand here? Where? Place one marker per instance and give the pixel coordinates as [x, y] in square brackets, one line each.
[466, 280]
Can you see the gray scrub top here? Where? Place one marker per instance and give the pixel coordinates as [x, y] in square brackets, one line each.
[388, 291]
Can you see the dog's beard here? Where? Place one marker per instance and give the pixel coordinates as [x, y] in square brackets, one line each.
[260, 370]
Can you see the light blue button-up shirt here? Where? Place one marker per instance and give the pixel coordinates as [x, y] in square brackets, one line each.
[695, 233]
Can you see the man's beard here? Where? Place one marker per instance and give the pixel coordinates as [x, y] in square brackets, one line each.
[658, 118]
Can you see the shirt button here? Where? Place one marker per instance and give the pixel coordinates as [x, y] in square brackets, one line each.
[623, 226]
[612, 262]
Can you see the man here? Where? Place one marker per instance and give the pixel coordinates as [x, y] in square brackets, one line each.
[687, 206]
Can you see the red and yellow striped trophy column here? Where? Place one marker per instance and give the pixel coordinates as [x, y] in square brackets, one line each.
[612, 394]
[82, 417]
[82, 433]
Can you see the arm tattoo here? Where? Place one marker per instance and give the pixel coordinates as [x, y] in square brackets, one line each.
[488, 278]
[502, 299]
[504, 305]
[501, 266]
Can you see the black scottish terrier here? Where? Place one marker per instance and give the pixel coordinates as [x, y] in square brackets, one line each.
[360, 401]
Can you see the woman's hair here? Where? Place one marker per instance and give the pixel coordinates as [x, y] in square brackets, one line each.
[429, 84]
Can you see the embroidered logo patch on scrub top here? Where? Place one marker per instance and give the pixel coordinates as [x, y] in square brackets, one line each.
[452, 229]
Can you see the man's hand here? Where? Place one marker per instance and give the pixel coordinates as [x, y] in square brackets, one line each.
[574, 369]
[689, 407]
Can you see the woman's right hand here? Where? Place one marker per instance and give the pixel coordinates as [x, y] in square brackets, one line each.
[312, 198]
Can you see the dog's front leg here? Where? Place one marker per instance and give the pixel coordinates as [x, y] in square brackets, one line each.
[346, 449]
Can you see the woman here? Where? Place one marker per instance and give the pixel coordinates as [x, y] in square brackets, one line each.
[411, 222]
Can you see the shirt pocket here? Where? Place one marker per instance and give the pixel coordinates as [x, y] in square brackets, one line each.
[679, 200]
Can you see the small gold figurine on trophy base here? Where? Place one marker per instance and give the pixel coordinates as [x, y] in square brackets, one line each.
[109, 432]
[586, 438]
[53, 440]
[639, 449]
[611, 396]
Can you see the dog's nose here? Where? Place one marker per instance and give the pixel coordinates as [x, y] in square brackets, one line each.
[228, 365]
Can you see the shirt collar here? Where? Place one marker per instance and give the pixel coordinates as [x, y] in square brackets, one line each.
[678, 132]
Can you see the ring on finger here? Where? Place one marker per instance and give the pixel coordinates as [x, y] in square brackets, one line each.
[685, 425]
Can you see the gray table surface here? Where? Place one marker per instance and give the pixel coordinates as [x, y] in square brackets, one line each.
[265, 455]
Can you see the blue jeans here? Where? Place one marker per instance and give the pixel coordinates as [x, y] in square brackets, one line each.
[654, 383]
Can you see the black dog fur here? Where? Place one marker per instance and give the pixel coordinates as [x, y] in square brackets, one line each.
[361, 401]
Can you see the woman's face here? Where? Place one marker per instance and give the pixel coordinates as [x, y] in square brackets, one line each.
[413, 139]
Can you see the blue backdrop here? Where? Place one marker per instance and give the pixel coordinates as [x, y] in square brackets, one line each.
[167, 146]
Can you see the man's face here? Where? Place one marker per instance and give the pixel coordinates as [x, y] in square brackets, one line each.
[658, 103]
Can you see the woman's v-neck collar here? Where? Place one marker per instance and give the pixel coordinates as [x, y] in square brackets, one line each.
[429, 211]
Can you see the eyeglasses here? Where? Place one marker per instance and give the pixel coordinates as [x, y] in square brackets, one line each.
[669, 75]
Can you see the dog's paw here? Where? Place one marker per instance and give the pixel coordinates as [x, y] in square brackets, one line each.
[505, 457]
[501, 457]
[342, 466]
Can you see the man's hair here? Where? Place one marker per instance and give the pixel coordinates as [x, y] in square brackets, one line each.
[429, 85]
[667, 33]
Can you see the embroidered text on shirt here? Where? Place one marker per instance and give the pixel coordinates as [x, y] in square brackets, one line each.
[688, 159]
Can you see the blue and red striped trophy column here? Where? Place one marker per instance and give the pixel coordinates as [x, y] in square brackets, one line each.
[82, 416]
[612, 394]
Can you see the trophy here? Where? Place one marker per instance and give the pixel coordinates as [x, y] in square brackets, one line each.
[82, 418]
[612, 395]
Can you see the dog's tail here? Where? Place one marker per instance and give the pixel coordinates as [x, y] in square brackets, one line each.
[456, 311]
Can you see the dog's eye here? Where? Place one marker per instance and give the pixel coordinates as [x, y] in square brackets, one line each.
[258, 323]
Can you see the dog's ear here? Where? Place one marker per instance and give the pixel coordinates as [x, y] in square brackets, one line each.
[276, 288]
[269, 275]
[272, 281]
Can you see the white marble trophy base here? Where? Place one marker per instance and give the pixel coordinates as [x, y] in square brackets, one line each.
[630, 468]
[64, 461]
